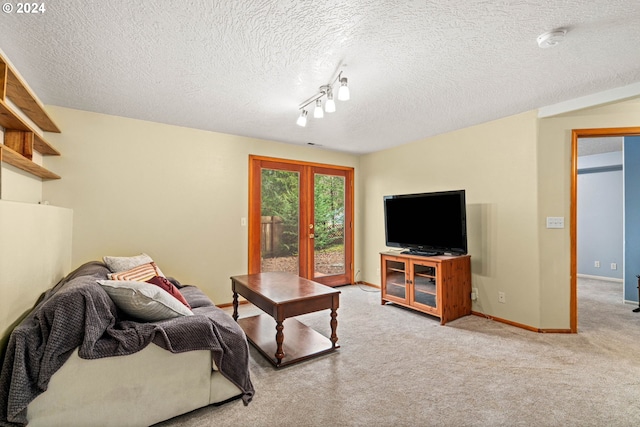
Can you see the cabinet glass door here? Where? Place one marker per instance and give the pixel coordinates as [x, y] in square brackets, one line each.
[424, 288]
[395, 283]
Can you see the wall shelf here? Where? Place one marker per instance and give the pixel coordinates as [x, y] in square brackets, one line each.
[27, 101]
[9, 156]
[20, 137]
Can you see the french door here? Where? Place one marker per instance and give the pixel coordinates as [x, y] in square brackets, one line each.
[301, 219]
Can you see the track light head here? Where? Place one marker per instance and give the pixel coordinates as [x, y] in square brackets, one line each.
[317, 112]
[302, 119]
[330, 104]
[343, 92]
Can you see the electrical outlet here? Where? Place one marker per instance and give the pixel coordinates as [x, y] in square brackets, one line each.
[614, 266]
[596, 264]
[474, 294]
[502, 298]
[378, 272]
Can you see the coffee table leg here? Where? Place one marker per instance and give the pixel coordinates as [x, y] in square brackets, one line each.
[334, 327]
[279, 341]
[235, 306]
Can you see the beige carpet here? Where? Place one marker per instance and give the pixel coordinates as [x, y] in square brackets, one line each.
[397, 367]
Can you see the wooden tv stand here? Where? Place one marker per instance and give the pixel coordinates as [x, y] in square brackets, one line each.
[436, 285]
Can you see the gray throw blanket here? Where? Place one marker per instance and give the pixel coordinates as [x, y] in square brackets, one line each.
[78, 313]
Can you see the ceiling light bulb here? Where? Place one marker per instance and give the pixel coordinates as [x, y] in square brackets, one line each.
[302, 119]
[330, 105]
[318, 113]
[343, 92]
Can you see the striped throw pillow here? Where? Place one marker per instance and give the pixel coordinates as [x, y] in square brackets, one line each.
[141, 273]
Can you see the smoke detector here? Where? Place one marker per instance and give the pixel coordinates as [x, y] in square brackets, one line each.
[551, 38]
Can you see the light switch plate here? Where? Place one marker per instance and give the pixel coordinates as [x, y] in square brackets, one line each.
[555, 222]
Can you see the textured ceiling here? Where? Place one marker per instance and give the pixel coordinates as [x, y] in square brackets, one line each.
[591, 146]
[415, 68]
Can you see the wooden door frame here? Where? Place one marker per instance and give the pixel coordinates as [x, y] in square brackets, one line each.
[575, 135]
[254, 211]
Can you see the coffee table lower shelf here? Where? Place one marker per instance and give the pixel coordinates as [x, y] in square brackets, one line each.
[300, 341]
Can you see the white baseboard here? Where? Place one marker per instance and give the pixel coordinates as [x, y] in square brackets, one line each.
[608, 279]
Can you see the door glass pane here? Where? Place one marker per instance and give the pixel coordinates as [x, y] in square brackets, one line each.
[280, 196]
[329, 226]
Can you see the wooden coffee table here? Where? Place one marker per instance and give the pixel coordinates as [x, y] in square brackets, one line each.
[282, 296]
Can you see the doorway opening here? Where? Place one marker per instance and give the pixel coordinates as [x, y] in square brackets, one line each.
[301, 219]
[577, 134]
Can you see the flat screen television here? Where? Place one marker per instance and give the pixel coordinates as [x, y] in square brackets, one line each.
[427, 223]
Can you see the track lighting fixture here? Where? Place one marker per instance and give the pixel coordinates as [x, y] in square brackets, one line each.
[329, 105]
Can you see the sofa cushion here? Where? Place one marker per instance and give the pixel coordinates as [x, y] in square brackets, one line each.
[143, 300]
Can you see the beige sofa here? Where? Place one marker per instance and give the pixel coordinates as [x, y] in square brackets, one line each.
[129, 390]
[78, 359]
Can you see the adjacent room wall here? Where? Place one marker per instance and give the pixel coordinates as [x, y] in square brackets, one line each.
[496, 163]
[632, 217]
[600, 228]
[175, 193]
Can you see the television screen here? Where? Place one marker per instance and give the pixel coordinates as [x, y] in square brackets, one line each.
[427, 223]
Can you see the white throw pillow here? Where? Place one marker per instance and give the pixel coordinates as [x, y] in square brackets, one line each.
[123, 263]
[144, 300]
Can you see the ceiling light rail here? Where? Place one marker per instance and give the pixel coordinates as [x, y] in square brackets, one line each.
[329, 105]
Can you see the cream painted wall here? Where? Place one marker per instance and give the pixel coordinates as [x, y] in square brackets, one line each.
[554, 181]
[175, 193]
[496, 163]
[35, 253]
[19, 186]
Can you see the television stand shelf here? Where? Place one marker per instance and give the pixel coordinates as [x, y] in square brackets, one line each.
[436, 285]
